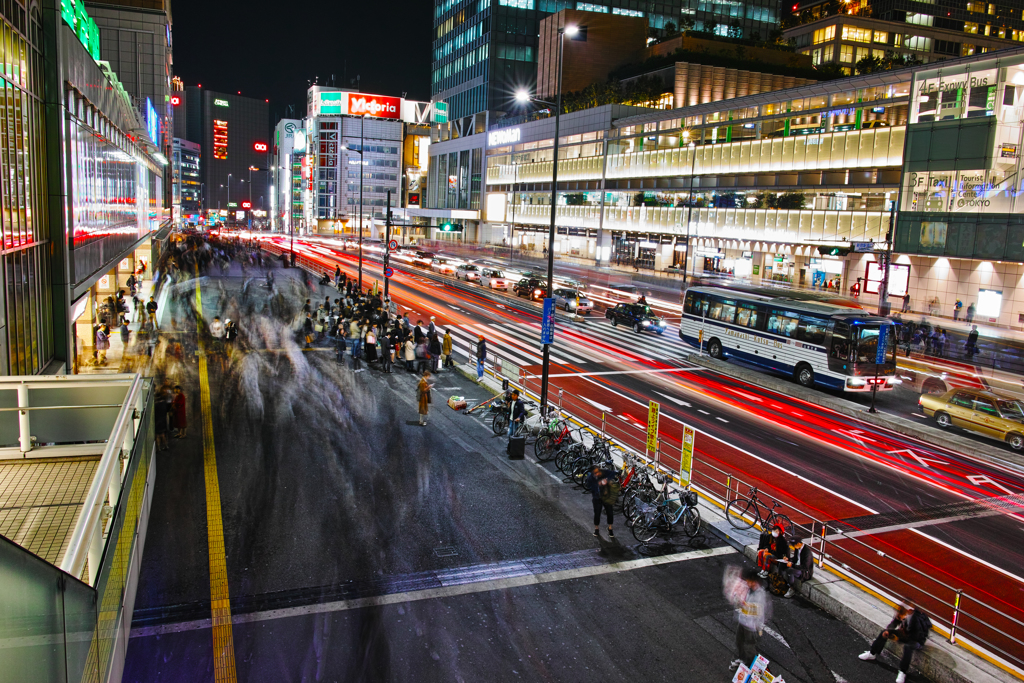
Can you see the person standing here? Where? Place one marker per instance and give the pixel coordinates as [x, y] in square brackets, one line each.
[970, 313]
[910, 627]
[230, 331]
[481, 356]
[103, 342]
[410, 354]
[151, 308]
[126, 334]
[434, 349]
[599, 483]
[517, 413]
[160, 409]
[423, 394]
[972, 342]
[446, 350]
[956, 309]
[179, 417]
[387, 348]
[751, 602]
[906, 302]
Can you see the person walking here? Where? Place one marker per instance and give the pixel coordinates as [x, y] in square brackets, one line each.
[910, 628]
[446, 350]
[750, 599]
[179, 417]
[423, 393]
[600, 484]
[971, 309]
[481, 356]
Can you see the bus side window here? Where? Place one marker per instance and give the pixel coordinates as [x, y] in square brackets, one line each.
[688, 306]
[812, 330]
[840, 342]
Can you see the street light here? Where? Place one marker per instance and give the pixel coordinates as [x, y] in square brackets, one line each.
[362, 124]
[524, 96]
[251, 169]
[229, 198]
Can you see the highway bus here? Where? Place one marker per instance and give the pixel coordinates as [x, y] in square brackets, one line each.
[815, 342]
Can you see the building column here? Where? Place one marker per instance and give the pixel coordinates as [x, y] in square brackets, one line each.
[603, 254]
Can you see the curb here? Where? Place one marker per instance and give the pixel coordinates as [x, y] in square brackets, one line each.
[894, 423]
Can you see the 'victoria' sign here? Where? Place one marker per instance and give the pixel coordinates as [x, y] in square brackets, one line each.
[374, 105]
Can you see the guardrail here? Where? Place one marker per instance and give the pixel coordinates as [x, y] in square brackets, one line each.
[975, 621]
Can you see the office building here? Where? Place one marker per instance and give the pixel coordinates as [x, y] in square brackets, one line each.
[288, 185]
[187, 185]
[234, 135]
[350, 135]
[797, 186]
[484, 50]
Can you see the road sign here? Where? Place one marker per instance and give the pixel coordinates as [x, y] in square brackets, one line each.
[547, 323]
[393, 245]
[686, 462]
[863, 246]
[653, 415]
[388, 272]
[883, 339]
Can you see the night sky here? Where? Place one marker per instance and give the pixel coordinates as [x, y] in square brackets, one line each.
[273, 50]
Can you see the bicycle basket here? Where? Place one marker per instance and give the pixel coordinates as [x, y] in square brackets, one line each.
[690, 498]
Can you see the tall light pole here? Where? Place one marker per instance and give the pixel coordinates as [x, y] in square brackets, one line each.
[512, 226]
[251, 169]
[689, 202]
[523, 96]
[362, 124]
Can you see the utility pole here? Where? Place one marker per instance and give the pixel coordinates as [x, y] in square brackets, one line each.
[387, 243]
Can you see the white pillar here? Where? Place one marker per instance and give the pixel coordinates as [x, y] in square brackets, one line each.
[24, 422]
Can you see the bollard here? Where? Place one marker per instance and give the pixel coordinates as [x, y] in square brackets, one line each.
[728, 489]
[821, 553]
[956, 616]
[602, 425]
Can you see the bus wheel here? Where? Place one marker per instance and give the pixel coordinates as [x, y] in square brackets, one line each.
[1016, 441]
[805, 375]
[715, 349]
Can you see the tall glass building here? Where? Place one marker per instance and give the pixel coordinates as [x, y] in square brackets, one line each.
[484, 49]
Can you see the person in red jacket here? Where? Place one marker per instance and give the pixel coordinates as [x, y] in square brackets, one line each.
[179, 418]
[774, 548]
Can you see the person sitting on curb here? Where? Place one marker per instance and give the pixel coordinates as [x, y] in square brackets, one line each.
[910, 627]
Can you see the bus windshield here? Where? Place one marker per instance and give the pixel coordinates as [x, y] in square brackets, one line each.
[866, 339]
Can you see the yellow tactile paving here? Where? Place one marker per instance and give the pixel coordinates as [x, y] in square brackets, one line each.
[223, 638]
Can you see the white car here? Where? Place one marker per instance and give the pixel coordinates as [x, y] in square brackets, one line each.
[467, 272]
[493, 279]
[573, 300]
[443, 266]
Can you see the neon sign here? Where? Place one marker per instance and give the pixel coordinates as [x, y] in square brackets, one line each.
[220, 103]
[260, 146]
[374, 105]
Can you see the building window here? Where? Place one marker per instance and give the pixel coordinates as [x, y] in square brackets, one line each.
[881, 36]
[918, 43]
[846, 53]
[970, 27]
[856, 34]
[827, 54]
[824, 35]
[587, 7]
[520, 4]
[627, 12]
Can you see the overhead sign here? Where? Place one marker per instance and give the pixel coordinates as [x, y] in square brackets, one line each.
[863, 247]
[653, 417]
[440, 112]
[547, 323]
[883, 342]
[375, 105]
[389, 271]
[686, 461]
[505, 136]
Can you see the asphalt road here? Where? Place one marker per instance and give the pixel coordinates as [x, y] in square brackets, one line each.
[330, 496]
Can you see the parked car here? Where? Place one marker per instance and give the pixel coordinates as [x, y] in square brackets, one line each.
[493, 279]
[638, 316]
[573, 300]
[423, 259]
[532, 288]
[468, 272]
[983, 412]
[443, 266]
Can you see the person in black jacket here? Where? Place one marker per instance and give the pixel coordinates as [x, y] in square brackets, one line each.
[798, 567]
[909, 627]
[597, 483]
[517, 413]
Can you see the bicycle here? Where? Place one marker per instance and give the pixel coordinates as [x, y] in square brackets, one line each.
[546, 446]
[744, 513]
[653, 519]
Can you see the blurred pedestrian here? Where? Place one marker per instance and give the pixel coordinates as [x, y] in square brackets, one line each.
[750, 599]
[910, 627]
[161, 406]
[423, 394]
[971, 309]
[446, 350]
[434, 349]
[956, 309]
[972, 342]
[906, 302]
[178, 416]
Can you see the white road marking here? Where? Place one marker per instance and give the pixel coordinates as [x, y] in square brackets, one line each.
[923, 417]
[722, 419]
[597, 405]
[777, 636]
[699, 410]
[677, 401]
[438, 593]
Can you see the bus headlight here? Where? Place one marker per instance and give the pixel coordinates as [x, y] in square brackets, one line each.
[854, 382]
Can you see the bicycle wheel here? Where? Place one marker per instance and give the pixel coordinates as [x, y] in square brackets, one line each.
[544, 448]
[742, 513]
[645, 530]
[691, 521]
[499, 425]
[563, 457]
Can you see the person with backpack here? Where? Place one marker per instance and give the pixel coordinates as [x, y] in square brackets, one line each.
[910, 627]
[604, 490]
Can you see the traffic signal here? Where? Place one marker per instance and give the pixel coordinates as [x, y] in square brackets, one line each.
[833, 251]
[448, 226]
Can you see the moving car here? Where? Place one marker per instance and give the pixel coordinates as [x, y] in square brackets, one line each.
[442, 265]
[638, 316]
[572, 300]
[976, 410]
[531, 287]
[493, 279]
[423, 259]
[467, 272]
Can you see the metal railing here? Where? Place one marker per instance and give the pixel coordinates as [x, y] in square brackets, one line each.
[986, 624]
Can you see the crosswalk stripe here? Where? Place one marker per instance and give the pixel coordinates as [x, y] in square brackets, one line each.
[520, 330]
